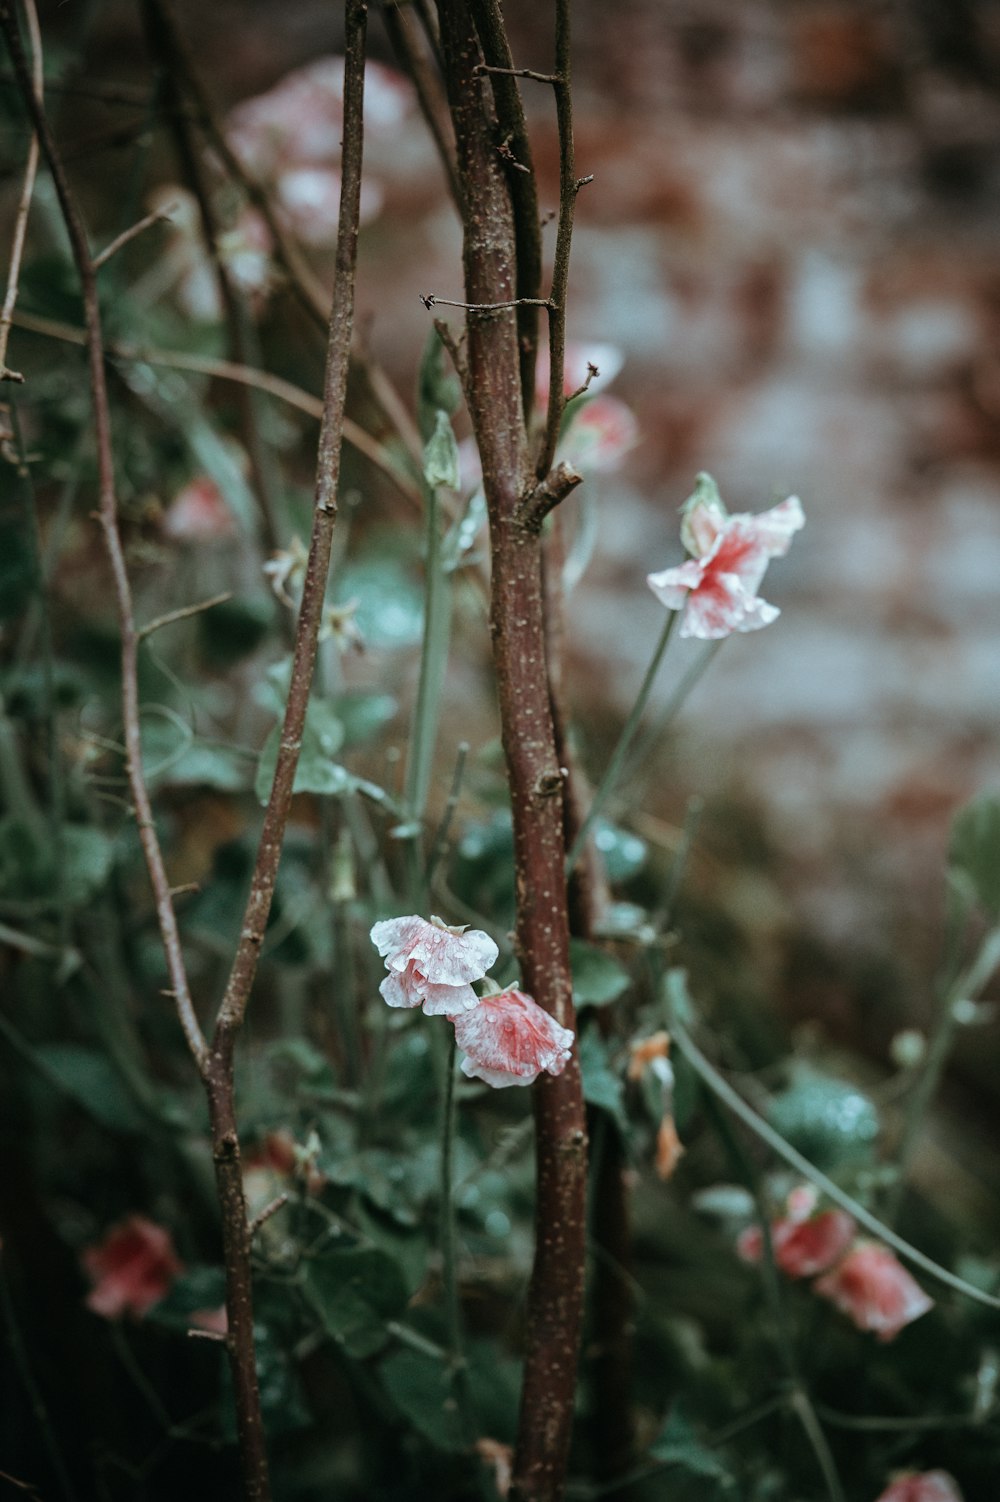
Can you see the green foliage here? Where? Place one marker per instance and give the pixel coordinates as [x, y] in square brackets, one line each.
[831, 1123]
[975, 850]
[354, 1292]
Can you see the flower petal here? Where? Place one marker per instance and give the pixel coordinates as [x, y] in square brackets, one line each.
[509, 1039]
[873, 1288]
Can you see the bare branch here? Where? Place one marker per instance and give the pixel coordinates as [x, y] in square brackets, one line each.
[546, 497]
[568, 189]
[159, 216]
[428, 89]
[108, 517]
[24, 202]
[431, 300]
[185, 612]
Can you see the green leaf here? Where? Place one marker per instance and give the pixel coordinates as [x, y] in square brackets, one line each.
[420, 1387]
[390, 605]
[441, 455]
[317, 772]
[703, 1477]
[354, 1292]
[598, 978]
[364, 715]
[90, 1079]
[975, 849]
[601, 1086]
[438, 387]
[830, 1122]
[231, 630]
[27, 868]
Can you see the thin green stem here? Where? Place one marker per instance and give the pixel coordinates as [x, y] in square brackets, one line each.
[449, 1270]
[617, 762]
[738, 1106]
[657, 730]
[433, 662]
[963, 988]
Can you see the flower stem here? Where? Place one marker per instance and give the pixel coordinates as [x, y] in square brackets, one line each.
[615, 765]
[449, 1272]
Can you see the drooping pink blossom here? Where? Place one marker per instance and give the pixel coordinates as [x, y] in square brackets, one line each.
[872, 1287]
[508, 1039]
[922, 1486]
[431, 964]
[717, 587]
[131, 1269]
[802, 1246]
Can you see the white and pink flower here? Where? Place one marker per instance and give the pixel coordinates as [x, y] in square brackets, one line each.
[198, 513]
[508, 1039]
[132, 1269]
[922, 1486]
[432, 964]
[717, 587]
[600, 435]
[872, 1287]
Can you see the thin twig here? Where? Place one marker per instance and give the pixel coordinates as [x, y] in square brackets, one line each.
[24, 203]
[568, 189]
[519, 73]
[427, 87]
[108, 517]
[158, 216]
[182, 615]
[229, 370]
[431, 300]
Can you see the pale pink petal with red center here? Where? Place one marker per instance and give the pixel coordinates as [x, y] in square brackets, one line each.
[718, 591]
[132, 1269]
[922, 1486]
[408, 988]
[510, 1040]
[198, 513]
[873, 1288]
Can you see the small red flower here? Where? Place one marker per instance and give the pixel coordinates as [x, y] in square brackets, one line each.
[717, 587]
[872, 1287]
[508, 1039]
[432, 964]
[132, 1269]
[922, 1486]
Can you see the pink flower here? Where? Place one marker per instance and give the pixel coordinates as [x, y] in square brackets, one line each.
[874, 1290]
[802, 1247]
[717, 587]
[508, 1039]
[601, 435]
[922, 1486]
[198, 513]
[432, 964]
[131, 1269]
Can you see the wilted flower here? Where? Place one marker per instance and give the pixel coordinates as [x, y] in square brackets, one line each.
[644, 1051]
[717, 587]
[873, 1289]
[669, 1148]
[132, 1269]
[508, 1039]
[922, 1486]
[500, 1459]
[432, 964]
[804, 1243]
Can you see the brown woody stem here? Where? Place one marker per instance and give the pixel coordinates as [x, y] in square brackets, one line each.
[517, 624]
